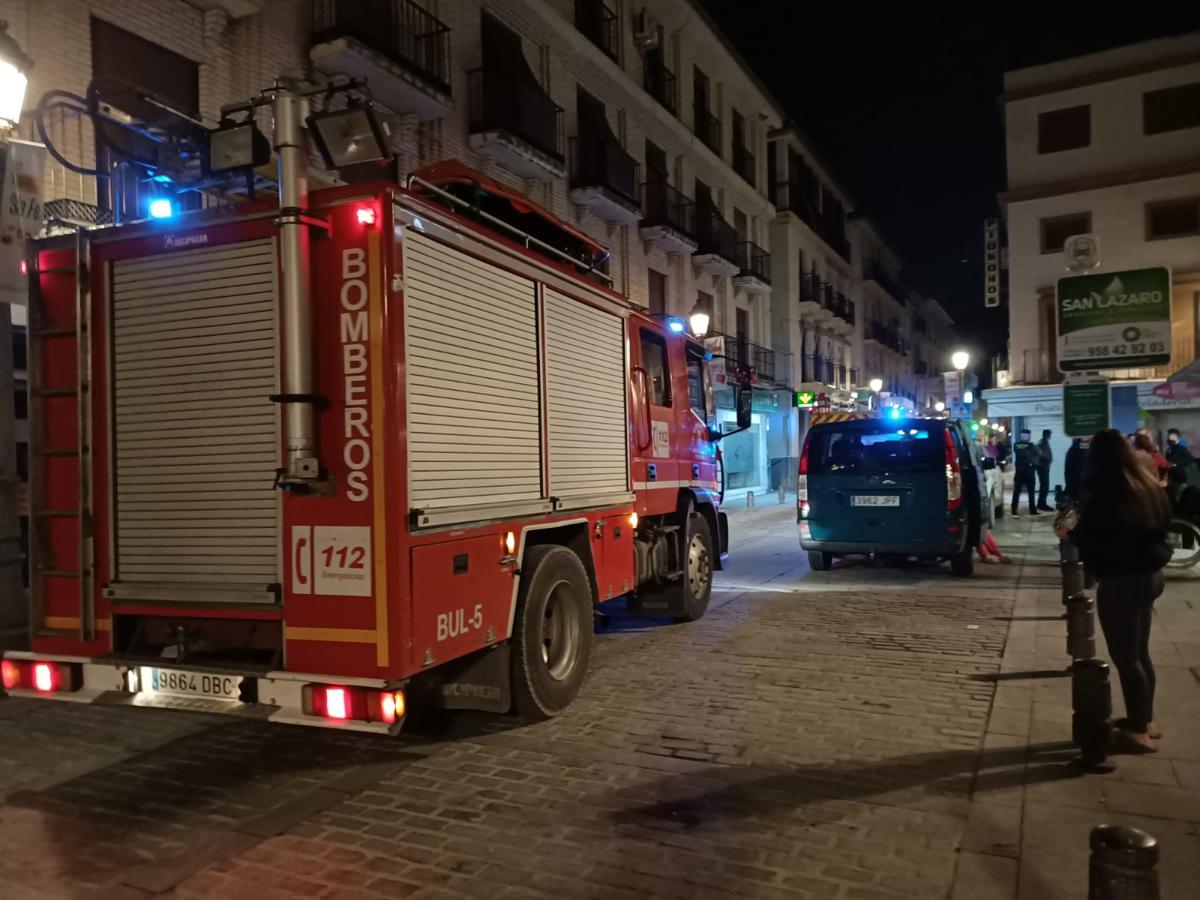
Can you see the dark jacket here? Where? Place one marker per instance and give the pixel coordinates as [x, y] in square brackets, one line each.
[1110, 546]
[1181, 458]
[1026, 456]
[1045, 454]
[1074, 470]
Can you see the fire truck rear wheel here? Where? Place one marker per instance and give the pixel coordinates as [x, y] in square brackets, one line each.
[697, 567]
[552, 638]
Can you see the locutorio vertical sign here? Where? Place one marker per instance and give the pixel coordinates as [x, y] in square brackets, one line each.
[1114, 320]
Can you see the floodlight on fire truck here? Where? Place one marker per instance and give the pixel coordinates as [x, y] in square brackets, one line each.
[236, 146]
[13, 66]
[349, 136]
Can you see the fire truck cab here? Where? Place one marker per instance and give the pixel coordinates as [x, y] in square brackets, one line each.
[499, 442]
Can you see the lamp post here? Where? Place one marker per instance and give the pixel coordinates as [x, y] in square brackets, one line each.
[14, 65]
[876, 385]
[698, 319]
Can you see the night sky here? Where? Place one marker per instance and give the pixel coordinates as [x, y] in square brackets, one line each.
[901, 101]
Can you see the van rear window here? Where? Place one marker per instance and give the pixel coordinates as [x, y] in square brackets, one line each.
[886, 448]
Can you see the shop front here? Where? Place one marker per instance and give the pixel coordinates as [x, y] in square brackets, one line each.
[763, 456]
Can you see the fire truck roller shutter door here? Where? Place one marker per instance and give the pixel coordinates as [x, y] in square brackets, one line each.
[585, 384]
[474, 426]
[196, 438]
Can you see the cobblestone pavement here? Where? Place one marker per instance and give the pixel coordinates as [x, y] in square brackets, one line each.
[814, 735]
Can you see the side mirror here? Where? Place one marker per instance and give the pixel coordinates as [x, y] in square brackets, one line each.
[744, 401]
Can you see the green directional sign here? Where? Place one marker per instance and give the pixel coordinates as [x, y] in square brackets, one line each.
[806, 399]
[1085, 407]
[1114, 320]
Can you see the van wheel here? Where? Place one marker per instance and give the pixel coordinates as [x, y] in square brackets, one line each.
[963, 564]
[697, 568]
[552, 639]
[820, 561]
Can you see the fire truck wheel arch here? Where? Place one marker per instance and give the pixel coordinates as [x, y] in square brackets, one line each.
[552, 635]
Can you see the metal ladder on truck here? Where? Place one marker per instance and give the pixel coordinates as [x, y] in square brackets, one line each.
[45, 328]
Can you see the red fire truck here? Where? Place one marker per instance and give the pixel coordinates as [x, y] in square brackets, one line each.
[324, 460]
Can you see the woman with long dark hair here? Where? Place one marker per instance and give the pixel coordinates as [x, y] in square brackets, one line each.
[1122, 537]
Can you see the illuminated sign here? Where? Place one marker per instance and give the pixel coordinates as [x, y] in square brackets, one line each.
[806, 399]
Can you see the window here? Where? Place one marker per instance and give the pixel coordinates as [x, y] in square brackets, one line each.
[772, 175]
[1172, 218]
[1056, 231]
[1064, 129]
[1171, 109]
[876, 446]
[658, 373]
[743, 337]
[656, 163]
[697, 374]
[657, 286]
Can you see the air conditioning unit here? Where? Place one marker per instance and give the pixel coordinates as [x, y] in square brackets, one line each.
[645, 31]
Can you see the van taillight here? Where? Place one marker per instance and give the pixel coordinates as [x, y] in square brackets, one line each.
[953, 474]
[802, 480]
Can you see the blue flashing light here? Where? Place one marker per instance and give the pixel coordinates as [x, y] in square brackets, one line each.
[675, 325]
[162, 208]
[894, 412]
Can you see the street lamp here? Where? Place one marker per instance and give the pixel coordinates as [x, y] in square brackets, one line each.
[968, 396]
[983, 421]
[940, 406]
[698, 319]
[875, 384]
[13, 66]
[960, 359]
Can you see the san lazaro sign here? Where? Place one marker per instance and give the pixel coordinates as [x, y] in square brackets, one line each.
[1114, 320]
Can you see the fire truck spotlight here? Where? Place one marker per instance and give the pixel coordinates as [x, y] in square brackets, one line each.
[10, 674]
[162, 208]
[45, 677]
[337, 704]
[236, 146]
[365, 215]
[348, 136]
[510, 543]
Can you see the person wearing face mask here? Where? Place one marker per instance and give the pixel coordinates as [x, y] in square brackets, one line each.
[1183, 465]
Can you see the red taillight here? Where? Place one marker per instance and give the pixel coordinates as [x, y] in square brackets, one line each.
[337, 704]
[366, 215]
[804, 454]
[953, 474]
[10, 674]
[802, 480]
[24, 267]
[45, 677]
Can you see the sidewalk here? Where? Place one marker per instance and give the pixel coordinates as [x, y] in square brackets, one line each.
[1030, 813]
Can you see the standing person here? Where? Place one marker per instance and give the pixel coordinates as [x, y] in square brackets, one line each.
[1183, 464]
[1147, 454]
[1045, 458]
[1122, 537]
[1074, 469]
[1026, 463]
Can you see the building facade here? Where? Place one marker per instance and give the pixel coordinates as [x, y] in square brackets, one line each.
[1106, 144]
[637, 123]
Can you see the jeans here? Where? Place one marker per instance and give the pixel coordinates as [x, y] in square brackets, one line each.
[1043, 477]
[1125, 606]
[1022, 480]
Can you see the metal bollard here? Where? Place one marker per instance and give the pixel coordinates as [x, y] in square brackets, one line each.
[1123, 864]
[1072, 569]
[782, 492]
[1091, 721]
[749, 499]
[1081, 626]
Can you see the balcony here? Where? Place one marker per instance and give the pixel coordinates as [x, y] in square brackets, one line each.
[716, 250]
[741, 353]
[812, 294]
[604, 178]
[598, 24]
[873, 271]
[818, 369]
[854, 374]
[887, 336]
[661, 84]
[668, 218]
[842, 309]
[744, 164]
[799, 200]
[754, 269]
[400, 49]
[514, 123]
[708, 129]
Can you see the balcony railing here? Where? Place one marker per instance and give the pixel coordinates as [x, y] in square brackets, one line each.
[500, 101]
[399, 29]
[764, 362]
[873, 271]
[602, 162]
[715, 235]
[664, 205]
[847, 309]
[793, 197]
[754, 260]
[743, 353]
[888, 335]
[810, 288]
[661, 84]
[818, 368]
[708, 129]
[743, 163]
[598, 24]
